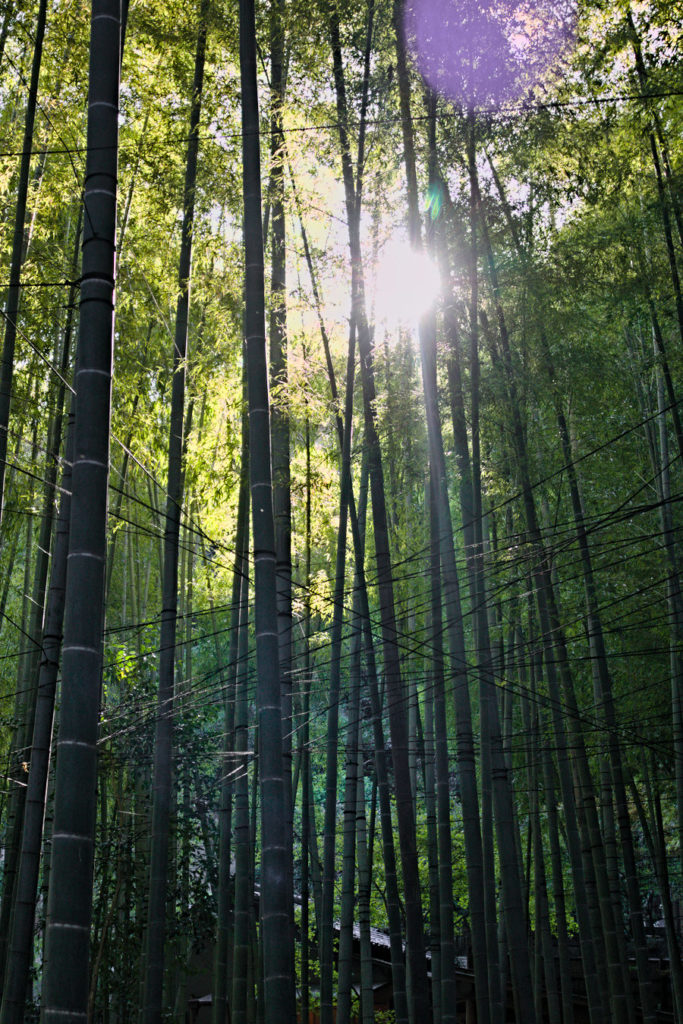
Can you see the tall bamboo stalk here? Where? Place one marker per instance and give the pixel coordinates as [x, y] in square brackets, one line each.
[11, 313]
[415, 947]
[239, 768]
[20, 937]
[276, 908]
[70, 897]
[280, 430]
[151, 1009]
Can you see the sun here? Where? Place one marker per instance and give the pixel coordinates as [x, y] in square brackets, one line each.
[406, 284]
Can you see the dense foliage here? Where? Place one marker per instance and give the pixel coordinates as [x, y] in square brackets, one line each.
[476, 512]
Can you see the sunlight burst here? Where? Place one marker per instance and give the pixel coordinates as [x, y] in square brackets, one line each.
[406, 285]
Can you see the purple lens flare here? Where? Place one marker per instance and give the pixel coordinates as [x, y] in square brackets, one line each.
[480, 53]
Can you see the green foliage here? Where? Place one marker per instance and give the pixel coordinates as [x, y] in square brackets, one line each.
[575, 219]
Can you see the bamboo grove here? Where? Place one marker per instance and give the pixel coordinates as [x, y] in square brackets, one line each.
[341, 623]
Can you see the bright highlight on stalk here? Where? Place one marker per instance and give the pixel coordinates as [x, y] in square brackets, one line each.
[406, 285]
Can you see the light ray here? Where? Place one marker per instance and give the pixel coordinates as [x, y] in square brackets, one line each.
[406, 284]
